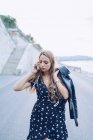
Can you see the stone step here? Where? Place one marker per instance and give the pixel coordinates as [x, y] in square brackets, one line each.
[13, 61]
[11, 65]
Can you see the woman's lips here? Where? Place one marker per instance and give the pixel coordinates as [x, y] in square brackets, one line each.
[42, 68]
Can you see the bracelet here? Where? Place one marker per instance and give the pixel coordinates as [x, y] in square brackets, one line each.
[57, 81]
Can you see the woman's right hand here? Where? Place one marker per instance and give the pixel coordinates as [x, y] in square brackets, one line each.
[36, 66]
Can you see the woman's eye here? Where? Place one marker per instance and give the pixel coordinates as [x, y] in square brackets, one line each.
[45, 62]
[40, 61]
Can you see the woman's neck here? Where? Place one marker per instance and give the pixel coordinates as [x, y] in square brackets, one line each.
[46, 74]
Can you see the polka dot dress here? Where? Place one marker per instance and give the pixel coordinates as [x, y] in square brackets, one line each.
[47, 119]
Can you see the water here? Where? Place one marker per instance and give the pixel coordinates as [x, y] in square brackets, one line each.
[84, 65]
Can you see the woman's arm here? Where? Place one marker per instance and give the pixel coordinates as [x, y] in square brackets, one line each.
[63, 90]
[23, 82]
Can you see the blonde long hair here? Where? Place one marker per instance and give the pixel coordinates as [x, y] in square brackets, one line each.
[37, 73]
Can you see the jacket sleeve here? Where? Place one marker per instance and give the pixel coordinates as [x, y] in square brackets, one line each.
[74, 101]
[66, 79]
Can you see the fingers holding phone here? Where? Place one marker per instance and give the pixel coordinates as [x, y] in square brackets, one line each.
[36, 66]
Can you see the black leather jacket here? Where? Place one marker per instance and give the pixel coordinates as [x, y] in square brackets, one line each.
[66, 79]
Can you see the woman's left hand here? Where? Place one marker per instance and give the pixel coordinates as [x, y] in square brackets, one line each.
[55, 75]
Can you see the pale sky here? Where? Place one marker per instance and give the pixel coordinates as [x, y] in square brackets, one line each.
[63, 26]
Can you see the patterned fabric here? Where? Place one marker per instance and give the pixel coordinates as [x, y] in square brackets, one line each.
[47, 118]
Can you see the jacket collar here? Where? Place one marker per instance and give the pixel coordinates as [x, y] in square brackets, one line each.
[63, 70]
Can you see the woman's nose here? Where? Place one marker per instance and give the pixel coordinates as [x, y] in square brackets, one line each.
[42, 64]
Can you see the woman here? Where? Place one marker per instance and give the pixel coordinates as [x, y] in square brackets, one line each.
[48, 114]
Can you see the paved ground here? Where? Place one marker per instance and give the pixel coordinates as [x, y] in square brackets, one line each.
[15, 109]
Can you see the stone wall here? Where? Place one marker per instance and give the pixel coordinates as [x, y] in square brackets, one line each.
[6, 45]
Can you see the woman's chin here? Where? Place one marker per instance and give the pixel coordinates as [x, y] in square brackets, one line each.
[44, 70]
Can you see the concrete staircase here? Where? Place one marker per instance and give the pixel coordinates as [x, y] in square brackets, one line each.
[12, 62]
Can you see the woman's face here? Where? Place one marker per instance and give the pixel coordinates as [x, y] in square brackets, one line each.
[44, 63]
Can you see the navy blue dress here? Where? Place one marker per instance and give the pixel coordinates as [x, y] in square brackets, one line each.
[47, 119]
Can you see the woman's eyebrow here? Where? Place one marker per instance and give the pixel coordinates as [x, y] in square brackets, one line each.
[44, 60]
